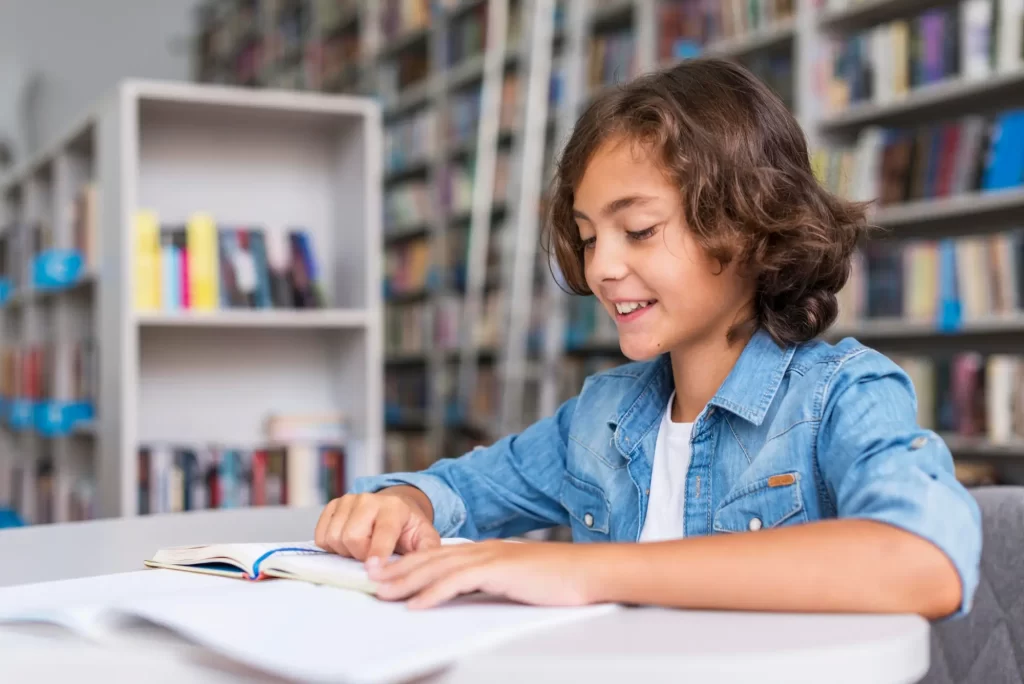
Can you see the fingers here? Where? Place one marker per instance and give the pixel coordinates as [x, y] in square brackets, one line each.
[320, 535]
[426, 538]
[336, 526]
[357, 529]
[465, 581]
[386, 530]
[438, 568]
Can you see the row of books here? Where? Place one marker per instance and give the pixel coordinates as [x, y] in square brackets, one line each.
[612, 59]
[406, 394]
[686, 26]
[294, 44]
[940, 160]
[942, 281]
[410, 204]
[401, 17]
[407, 70]
[337, 57]
[467, 36]
[970, 394]
[22, 242]
[407, 267]
[410, 140]
[457, 185]
[79, 492]
[30, 372]
[202, 266]
[407, 326]
[405, 452]
[174, 478]
[969, 40]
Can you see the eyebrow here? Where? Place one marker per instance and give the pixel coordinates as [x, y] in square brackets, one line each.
[615, 206]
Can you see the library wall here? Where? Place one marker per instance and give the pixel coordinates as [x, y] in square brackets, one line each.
[79, 50]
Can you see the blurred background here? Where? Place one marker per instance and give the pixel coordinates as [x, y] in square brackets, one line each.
[218, 297]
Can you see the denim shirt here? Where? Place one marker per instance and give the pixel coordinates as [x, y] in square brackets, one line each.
[794, 435]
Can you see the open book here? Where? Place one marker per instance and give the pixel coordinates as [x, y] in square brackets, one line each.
[303, 561]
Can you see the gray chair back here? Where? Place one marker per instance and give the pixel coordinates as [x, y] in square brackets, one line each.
[987, 645]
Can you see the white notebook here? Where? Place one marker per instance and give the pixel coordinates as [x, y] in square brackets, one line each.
[297, 630]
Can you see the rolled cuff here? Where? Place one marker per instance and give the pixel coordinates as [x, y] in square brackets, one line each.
[449, 508]
[933, 506]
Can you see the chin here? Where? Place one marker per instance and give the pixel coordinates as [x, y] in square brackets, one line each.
[635, 350]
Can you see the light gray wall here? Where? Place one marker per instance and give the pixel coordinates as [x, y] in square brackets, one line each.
[81, 48]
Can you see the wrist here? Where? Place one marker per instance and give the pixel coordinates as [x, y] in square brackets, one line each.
[414, 497]
[601, 569]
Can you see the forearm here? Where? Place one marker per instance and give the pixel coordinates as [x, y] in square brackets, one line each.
[834, 566]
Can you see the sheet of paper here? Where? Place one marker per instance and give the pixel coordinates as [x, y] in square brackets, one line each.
[81, 604]
[311, 632]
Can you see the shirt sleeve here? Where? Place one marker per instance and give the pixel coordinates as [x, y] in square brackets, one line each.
[878, 464]
[506, 489]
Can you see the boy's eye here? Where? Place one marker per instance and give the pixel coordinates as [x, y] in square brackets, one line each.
[638, 235]
[588, 243]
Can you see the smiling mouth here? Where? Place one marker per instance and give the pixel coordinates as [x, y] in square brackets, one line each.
[629, 311]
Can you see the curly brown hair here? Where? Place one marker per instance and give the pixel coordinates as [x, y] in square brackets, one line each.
[740, 160]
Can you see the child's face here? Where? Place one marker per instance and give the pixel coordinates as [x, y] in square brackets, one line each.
[643, 263]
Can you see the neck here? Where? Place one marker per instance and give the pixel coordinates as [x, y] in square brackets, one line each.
[698, 370]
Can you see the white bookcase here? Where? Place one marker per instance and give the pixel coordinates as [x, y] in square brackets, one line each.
[273, 159]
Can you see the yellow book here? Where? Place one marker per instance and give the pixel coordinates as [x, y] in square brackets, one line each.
[147, 261]
[203, 285]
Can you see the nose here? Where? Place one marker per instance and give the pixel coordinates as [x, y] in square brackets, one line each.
[607, 262]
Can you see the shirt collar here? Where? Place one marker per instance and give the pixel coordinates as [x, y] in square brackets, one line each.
[748, 390]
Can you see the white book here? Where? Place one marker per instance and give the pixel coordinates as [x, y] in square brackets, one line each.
[1008, 42]
[976, 38]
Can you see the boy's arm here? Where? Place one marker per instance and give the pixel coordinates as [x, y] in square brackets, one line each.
[502, 490]
[907, 537]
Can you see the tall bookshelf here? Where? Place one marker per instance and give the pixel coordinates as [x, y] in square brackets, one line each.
[790, 45]
[275, 159]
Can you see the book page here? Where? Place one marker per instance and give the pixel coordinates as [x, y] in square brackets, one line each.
[243, 554]
[81, 604]
[304, 631]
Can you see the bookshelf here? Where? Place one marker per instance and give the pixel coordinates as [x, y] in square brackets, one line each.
[598, 43]
[267, 160]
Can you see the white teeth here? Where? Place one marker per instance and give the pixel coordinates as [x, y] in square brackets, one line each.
[630, 307]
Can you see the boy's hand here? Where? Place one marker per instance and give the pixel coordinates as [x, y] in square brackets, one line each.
[544, 573]
[397, 519]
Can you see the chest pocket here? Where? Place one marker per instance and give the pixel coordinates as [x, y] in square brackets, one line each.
[588, 509]
[770, 502]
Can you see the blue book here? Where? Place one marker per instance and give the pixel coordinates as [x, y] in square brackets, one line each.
[950, 308]
[1005, 166]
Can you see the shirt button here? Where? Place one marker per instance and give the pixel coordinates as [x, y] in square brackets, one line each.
[918, 442]
[588, 520]
[755, 524]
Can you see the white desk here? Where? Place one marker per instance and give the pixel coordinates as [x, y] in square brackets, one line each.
[643, 645]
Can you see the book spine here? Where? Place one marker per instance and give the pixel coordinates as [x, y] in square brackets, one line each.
[147, 261]
[202, 263]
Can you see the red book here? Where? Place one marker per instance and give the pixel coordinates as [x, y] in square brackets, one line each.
[185, 303]
[258, 492]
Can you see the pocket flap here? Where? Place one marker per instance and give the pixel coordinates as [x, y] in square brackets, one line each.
[763, 504]
[586, 503]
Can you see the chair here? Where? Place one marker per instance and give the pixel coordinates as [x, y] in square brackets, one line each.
[987, 645]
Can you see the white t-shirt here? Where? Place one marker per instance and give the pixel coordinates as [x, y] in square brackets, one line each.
[666, 505]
